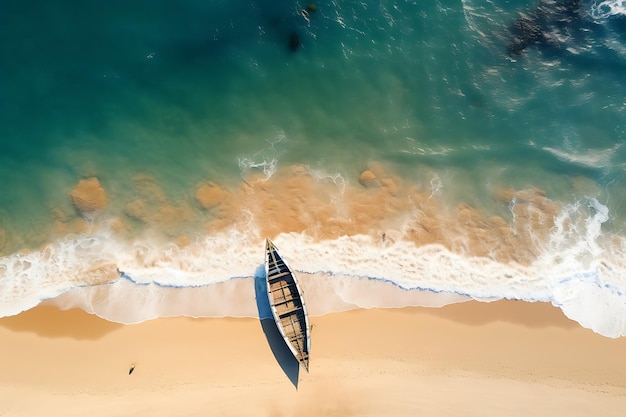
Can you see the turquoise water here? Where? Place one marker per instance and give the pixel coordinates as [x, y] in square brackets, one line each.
[203, 90]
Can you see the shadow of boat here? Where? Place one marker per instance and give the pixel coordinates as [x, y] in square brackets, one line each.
[288, 363]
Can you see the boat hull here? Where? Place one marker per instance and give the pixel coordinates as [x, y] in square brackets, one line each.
[287, 304]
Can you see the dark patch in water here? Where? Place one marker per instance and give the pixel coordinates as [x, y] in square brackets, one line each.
[294, 42]
[543, 25]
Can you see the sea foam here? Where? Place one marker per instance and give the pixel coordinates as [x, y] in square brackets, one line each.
[213, 276]
[605, 8]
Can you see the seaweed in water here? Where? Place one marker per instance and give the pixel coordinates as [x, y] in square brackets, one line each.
[539, 26]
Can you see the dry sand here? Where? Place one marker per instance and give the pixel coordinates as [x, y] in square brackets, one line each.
[473, 359]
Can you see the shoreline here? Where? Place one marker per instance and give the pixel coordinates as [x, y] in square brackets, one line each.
[376, 225]
[465, 358]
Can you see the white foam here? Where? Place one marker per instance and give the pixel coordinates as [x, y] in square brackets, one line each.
[599, 158]
[265, 160]
[267, 166]
[336, 178]
[435, 186]
[606, 8]
[27, 278]
[212, 277]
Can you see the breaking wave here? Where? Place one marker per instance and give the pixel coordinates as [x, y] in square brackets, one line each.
[580, 270]
[606, 8]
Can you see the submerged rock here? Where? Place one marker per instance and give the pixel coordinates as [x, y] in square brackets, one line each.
[210, 195]
[526, 31]
[294, 42]
[540, 26]
[368, 179]
[376, 177]
[89, 197]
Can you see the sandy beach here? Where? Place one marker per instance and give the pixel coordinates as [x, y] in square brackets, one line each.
[471, 359]
[401, 155]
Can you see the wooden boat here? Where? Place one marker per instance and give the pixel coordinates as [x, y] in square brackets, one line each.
[288, 309]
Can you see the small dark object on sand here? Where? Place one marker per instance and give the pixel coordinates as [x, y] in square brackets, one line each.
[132, 368]
[294, 42]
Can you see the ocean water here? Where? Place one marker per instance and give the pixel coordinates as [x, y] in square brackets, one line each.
[493, 132]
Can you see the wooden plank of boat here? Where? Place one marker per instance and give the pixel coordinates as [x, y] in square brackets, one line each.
[288, 309]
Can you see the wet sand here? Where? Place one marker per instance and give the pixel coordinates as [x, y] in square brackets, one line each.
[473, 359]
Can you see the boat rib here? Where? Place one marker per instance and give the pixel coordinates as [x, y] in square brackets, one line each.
[287, 305]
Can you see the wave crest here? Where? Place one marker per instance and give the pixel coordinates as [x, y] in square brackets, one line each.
[607, 8]
[213, 277]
